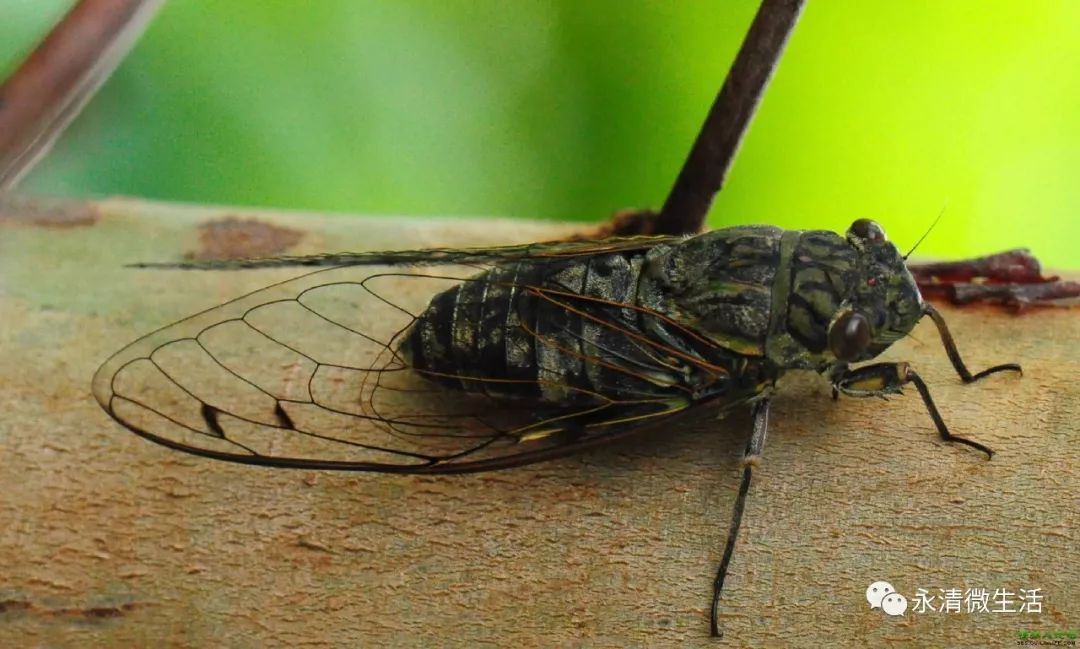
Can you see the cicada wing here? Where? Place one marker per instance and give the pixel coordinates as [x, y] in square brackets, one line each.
[306, 373]
[432, 256]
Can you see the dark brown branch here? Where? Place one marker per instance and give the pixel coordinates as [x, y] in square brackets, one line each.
[1010, 266]
[707, 166]
[1015, 297]
[52, 85]
[1012, 279]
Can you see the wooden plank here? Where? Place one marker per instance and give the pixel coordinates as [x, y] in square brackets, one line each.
[112, 541]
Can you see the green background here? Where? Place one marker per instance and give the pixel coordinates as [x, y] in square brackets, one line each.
[565, 109]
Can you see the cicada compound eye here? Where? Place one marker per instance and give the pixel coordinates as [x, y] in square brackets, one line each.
[849, 336]
[868, 230]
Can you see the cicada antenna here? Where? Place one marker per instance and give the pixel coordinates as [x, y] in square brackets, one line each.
[927, 233]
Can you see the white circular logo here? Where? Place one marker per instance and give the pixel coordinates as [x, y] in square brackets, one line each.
[876, 591]
[894, 604]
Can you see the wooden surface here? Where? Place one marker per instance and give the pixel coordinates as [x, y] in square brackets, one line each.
[110, 540]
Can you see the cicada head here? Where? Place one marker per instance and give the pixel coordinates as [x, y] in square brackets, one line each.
[884, 305]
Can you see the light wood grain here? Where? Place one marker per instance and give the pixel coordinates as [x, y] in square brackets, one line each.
[109, 540]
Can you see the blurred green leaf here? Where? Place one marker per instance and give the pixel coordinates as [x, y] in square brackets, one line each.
[564, 109]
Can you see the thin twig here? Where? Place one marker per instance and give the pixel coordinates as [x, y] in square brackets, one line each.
[1016, 265]
[1012, 279]
[44, 94]
[1016, 297]
[707, 166]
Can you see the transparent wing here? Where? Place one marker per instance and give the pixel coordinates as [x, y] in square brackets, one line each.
[306, 373]
[431, 256]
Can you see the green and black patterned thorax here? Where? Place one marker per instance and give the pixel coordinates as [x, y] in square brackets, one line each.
[724, 313]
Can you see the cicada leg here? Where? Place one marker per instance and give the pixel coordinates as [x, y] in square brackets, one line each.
[881, 379]
[751, 458]
[954, 353]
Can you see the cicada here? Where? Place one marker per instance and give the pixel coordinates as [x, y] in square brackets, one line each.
[461, 360]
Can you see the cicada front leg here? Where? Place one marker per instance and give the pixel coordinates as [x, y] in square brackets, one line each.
[954, 353]
[881, 379]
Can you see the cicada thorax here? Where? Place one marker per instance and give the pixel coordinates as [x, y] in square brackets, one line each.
[839, 299]
[765, 297]
[819, 270]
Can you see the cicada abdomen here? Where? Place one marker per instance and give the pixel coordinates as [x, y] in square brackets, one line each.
[558, 332]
